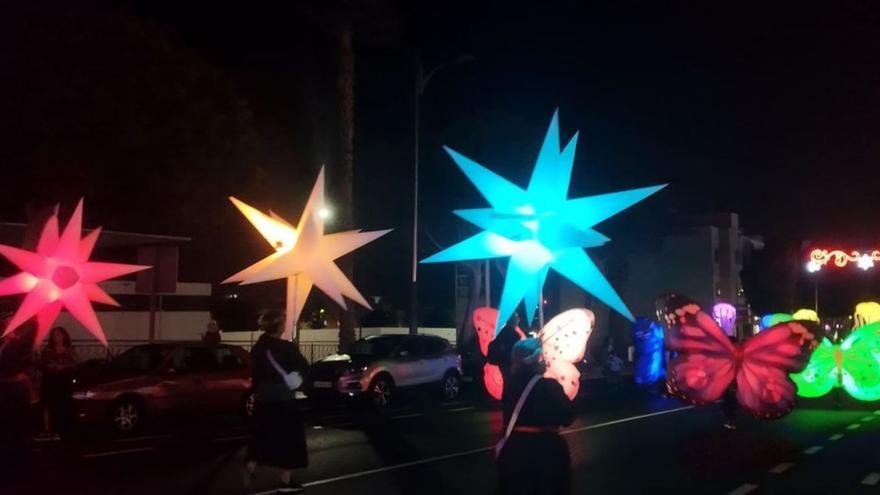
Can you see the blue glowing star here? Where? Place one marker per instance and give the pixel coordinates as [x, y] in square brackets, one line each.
[539, 227]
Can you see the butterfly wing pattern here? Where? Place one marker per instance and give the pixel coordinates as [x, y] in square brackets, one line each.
[860, 363]
[563, 343]
[763, 386]
[822, 372]
[708, 362]
[484, 321]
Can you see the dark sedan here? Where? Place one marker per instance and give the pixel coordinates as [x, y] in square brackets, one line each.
[165, 379]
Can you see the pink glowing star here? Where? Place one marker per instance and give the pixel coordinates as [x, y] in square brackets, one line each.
[60, 276]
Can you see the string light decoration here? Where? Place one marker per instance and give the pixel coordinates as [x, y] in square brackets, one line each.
[819, 258]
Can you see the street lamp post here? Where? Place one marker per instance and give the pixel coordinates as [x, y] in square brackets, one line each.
[421, 82]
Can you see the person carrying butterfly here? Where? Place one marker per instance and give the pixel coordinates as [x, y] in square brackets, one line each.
[502, 346]
[533, 458]
[708, 364]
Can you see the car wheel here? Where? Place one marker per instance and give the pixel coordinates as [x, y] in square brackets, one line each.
[126, 416]
[247, 408]
[450, 387]
[381, 391]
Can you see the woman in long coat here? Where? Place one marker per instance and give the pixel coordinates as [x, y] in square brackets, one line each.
[279, 436]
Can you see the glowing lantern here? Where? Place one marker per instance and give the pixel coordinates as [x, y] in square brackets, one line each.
[539, 228]
[725, 315]
[805, 315]
[768, 321]
[304, 255]
[866, 312]
[59, 275]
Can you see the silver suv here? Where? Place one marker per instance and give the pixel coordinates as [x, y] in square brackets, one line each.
[376, 366]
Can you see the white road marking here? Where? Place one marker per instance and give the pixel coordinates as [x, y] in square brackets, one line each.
[116, 452]
[135, 439]
[877, 412]
[317, 427]
[871, 479]
[457, 409]
[854, 426]
[812, 450]
[835, 437]
[868, 418]
[782, 467]
[405, 416]
[742, 490]
[470, 452]
[626, 420]
[231, 439]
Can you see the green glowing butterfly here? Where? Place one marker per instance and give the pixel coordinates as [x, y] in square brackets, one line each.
[853, 365]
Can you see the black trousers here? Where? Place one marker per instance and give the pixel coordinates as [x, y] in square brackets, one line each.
[534, 464]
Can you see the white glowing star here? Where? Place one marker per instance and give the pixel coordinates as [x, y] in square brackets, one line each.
[304, 255]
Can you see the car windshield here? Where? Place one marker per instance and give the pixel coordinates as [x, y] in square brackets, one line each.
[141, 358]
[377, 347]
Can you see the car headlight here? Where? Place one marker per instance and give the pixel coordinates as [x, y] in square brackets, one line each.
[83, 395]
[357, 370]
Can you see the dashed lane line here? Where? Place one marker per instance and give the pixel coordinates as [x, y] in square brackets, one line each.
[854, 426]
[812, 450]
[782, 467]
[867, 418]
[871, 479]
[457, 409]
[835, 437]
[746, 488]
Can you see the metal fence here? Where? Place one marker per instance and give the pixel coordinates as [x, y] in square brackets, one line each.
[89, 349]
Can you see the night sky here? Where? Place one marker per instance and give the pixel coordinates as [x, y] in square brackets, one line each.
[770, 111]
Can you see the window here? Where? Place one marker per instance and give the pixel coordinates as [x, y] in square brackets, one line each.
[412, 347]
[435, 346]
[192, 360]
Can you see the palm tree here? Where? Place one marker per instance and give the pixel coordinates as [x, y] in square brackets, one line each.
[373, 20]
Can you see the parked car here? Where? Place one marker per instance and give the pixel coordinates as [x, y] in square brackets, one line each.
[376, 366]
[166, 379]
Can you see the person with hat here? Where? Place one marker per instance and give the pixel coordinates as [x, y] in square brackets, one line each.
[533, 458]
[279, 438]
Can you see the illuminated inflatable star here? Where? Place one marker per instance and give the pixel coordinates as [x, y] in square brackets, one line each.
[304, 255]
[60, 276]
[539, 228]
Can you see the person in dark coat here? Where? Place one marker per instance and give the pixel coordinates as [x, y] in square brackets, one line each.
[279, 436]
[17, 395]
[502, 346]
[534, 459]
[57, 361]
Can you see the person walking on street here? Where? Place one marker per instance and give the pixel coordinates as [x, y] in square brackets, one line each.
[533, 457]
[279, 435]
[501, 347]
[56, 362]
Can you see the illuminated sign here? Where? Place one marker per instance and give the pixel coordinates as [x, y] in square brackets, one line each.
[820, 258]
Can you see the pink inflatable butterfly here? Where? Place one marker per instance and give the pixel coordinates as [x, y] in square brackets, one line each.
[708, 362]
[563, 343]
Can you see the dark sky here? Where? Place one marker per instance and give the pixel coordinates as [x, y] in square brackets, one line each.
[771, 111]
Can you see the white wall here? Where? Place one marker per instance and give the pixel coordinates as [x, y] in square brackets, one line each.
[325, 335]
[135, 325]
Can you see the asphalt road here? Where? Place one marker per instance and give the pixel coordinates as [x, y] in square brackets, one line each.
[624, 441]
